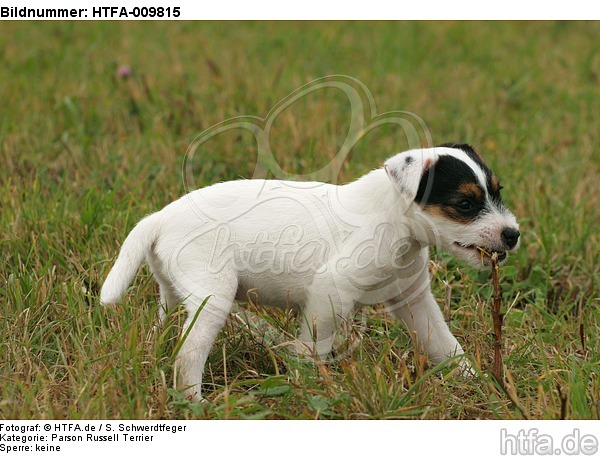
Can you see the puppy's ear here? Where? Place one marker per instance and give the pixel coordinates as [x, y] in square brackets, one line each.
[407, 168]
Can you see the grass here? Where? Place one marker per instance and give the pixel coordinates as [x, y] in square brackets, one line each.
[86, 154]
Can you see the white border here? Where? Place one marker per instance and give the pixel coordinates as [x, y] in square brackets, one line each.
[301, 438]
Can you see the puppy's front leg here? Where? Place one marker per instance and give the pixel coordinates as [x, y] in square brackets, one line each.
[425, 320]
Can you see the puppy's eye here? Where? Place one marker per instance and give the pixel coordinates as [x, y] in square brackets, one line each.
[464, 205]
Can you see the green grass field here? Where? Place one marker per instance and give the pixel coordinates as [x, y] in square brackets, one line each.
[85, 154]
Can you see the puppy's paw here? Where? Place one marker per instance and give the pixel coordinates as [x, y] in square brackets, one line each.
[194, 396]
[466, 370]
[299, 349]
[199, 400]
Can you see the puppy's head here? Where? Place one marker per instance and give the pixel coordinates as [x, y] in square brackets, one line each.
[458, 194]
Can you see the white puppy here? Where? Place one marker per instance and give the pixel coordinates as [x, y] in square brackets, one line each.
[321, 248]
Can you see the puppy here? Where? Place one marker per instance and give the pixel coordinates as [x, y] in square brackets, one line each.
[324, 249]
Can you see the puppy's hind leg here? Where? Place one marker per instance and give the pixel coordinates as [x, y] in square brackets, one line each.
[206, 317]
[168, 300]
[168, 297]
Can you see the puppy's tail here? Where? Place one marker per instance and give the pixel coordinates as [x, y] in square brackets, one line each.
[135, 248]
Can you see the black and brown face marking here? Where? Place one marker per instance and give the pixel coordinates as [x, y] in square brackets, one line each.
[492, 183]
[449, 188]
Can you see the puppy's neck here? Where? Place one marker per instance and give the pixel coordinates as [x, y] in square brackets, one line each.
[370, 195]
[375, 198]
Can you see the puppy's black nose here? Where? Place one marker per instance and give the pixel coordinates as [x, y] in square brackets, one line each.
[510, 236]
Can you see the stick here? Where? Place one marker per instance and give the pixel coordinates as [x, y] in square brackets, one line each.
[497, 319]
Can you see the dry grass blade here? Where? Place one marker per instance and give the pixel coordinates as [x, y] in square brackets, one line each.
[497, 319]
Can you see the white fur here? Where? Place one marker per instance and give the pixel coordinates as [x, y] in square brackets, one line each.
[321, 248]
